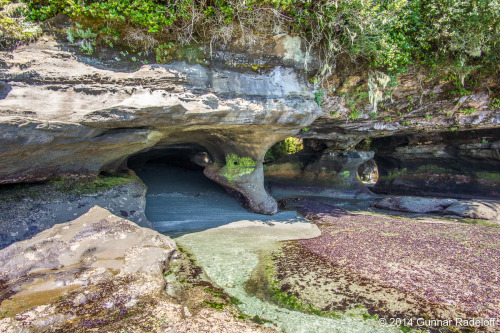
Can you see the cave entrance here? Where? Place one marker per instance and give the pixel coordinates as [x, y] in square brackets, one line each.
[180, 199]
[368, 173]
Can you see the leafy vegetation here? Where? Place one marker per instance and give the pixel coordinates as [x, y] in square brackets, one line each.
[431, 168]
[468, 111]
[14, 28]
[84, 38]
[495, 103]
[288, 146]
[494, 176]
[386, 34]
[354, 114]
[394, 174]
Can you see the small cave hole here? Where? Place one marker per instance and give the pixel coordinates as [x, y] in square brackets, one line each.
[368, 173]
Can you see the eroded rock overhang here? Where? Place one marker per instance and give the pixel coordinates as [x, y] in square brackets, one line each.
[62, 117]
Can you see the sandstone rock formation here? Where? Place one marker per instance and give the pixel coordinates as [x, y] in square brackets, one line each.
[99, 272]
[329, 172]
[62, 116]
[46, 205]
[62, 113]
[461, 164]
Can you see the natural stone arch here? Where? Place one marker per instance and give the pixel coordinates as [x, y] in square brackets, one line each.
[368, 172]
[233, 158]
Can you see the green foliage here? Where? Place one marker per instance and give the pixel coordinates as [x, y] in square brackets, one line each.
[453, 128]
[394, 174]
[14, 28]
[390, 34]
[494, 176]
[286, 147]
[344, 174]
[354, 114]
[387, 119]
[495, 103]
[84, 37]
[87, 47]
[305, 129]
[461, 91]
[405, 123]
[165, 53]
[428, 116]
[468, 111]
[431, 168]
[373, 115]
[355, 99]
[318, 95]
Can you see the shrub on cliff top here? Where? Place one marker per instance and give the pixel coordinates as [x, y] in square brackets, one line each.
[14, 28]
[388, 34]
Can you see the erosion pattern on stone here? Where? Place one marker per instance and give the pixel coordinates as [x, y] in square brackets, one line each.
[24, 218]
[473, 209]
[321, 172]
[101, 272]
[461, 164]
[61, 116]
[66, 114]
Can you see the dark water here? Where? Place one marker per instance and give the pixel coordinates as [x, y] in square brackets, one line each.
[181, 201]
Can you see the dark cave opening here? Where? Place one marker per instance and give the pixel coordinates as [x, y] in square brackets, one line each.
[180, 199]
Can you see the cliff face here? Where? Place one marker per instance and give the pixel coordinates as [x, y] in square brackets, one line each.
[63, 114]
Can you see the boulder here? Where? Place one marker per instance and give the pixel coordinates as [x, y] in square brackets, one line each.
[475, 209]
[413, 204]
[103, 273]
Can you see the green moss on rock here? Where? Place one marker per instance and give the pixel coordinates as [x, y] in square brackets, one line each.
[494, 176]
[432, 168]
[237, 166]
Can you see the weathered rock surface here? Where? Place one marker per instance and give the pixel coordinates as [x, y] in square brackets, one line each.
[473, 209]
[414, 204]
[476, 209]
[98, 272]
[65, 114]
[62, 116]
[45, 206]
[461, 165]
[416, 104]
[316, 171]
